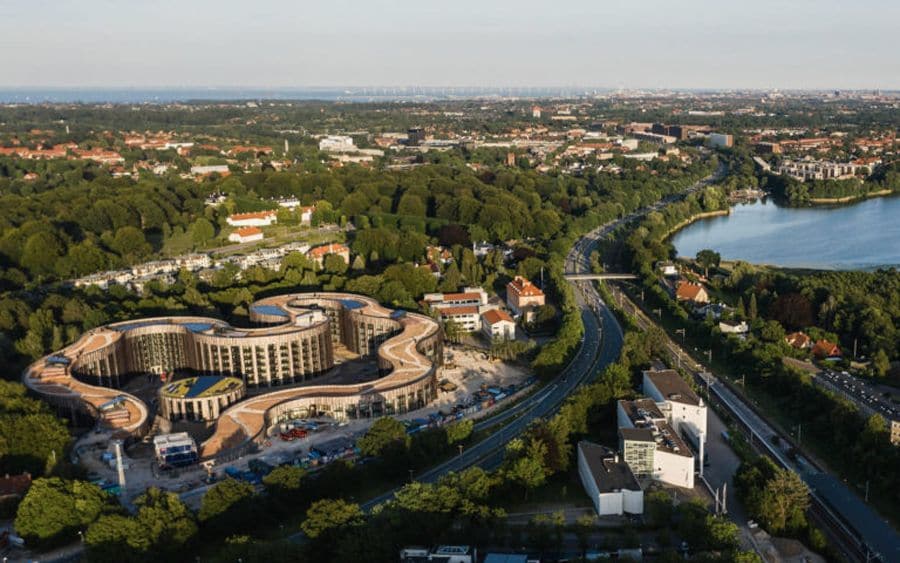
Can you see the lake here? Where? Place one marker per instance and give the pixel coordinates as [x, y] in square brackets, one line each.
[859, 236]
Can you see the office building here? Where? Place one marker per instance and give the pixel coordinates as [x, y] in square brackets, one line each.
[415, 136]
[608, 481]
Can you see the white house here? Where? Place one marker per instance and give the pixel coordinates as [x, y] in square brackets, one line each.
[731, 327]
[255, 219]
[496, 324]
[608, 481]
[246, 234]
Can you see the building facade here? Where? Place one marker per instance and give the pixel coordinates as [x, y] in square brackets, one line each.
[276, 362]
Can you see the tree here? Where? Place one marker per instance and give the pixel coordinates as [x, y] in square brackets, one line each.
[328, 515]
[202, 231]
[751, 308]
[334, 264]
[284, 479]
[222, 498]
[784, 501]
[55, 510]
[527, 472]
[383, 432]
[881, 364]
[453, 331]
[708, 259]
[459, 431]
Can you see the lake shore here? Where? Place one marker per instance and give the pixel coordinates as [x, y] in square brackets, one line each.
[849, 198]
[853, 236]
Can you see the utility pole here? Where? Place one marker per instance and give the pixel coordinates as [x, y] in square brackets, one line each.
[683, 334]
[709, 356]
[658, 312]
[867, 490]
[799, 432]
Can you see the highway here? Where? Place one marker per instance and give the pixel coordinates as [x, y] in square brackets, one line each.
[599, 348]
[852, 526]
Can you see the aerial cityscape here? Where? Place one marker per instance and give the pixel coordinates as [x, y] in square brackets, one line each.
[478, 283]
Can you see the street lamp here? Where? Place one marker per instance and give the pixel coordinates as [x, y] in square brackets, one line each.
[460, 446]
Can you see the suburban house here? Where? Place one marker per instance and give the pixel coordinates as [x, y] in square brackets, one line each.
[734, 327]
[608, 481]
[246, 234]
[691, 292]
[306, 214]
[799, 340]
[438, 254]
[522, 297]
[498, 325]
[318, 253]
[255, 219]
[667, 269]
[824, 349]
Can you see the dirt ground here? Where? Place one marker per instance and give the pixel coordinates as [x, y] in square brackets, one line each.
[467, 368]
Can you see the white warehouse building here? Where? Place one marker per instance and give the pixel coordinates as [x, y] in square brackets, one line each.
[608, 481]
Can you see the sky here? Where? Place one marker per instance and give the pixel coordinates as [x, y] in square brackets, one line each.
[788, 44]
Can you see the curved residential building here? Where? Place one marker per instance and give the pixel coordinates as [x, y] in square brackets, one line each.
[293, 344]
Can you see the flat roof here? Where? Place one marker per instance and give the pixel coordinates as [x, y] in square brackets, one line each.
[636, 434]
[201, 386]
[273, 310]
[672, 386]
[610, 473]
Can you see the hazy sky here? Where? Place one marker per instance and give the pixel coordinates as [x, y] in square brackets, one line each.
[611, 43]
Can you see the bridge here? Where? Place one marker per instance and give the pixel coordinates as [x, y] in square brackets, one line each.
[578, 277]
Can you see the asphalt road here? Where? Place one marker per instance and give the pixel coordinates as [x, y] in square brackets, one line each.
[852, 525]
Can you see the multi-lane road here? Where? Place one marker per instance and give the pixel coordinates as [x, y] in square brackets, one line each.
[599, 348]
[852, 525]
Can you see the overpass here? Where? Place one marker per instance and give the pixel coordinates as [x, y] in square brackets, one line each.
[579, 277]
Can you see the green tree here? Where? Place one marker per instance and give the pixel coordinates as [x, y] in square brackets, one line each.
[224, 497]
[783, 502]
[383, 433]
[881, 364]
[328, 515]
[55, 510]
[752, 311]
[284, 479]
[708, 259]
[202, 231]
[459, 431]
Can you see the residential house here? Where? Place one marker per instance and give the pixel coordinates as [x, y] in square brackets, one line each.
[734, 327]
[318, 253]
[255, 219]
[496, 324]
[691, 292]
[246, 234]
[522, 297]
[824, 349]
[799, 340]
